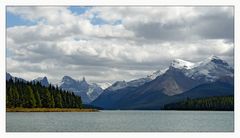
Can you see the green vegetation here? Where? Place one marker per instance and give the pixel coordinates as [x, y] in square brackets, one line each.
[30, 95]
[221, 103]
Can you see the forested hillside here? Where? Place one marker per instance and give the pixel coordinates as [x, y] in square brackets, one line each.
[31, 95]
[211, 103]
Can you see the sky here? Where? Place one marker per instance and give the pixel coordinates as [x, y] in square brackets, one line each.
[108, 44]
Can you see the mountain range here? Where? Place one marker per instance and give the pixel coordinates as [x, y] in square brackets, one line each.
[182, 79]
[87, 91]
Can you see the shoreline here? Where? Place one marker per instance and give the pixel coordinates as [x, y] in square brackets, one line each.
[50, 110]
[83, 110]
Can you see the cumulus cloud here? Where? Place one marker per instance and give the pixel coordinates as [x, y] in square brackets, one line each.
[131, 43]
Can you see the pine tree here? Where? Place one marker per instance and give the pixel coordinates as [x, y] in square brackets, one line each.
[30, 101]
[51, 102]
[46, 98]
[58, 100]
[9, 97]
[38, 100]
[15, 97]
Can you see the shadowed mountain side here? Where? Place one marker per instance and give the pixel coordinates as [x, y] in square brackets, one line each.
[157, 99]
[171, 83]
[209, 77]
[111, 99]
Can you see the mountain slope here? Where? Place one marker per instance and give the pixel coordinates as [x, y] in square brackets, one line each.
[181, 77]
[88, 92]
[120, 89]
[9, 76]
[135, 83]
[42, 80]
[217, 88]
[104, 85]
[156, 100]
[210, 69]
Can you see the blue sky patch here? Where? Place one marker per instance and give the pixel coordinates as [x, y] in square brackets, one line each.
[98, 21]
[78, 9]
[15, 20]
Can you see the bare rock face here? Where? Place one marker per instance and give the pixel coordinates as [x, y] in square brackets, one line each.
[88, 92]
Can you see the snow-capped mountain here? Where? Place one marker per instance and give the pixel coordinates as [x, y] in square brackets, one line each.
[209, 77]
[209, 70]
[135, 83]
[43, 81]
[88, 92]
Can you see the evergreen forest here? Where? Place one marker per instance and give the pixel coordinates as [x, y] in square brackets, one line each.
[34, 95]
[222, 103]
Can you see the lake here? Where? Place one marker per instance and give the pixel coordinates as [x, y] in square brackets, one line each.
[123, 121]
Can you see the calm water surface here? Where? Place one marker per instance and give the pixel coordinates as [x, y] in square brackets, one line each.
[124, 121]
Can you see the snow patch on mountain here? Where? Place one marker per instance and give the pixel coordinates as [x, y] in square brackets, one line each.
[157, 73]
[117, 85]
[137, 82]
[181, 64]
[209, 69]
[104, 85]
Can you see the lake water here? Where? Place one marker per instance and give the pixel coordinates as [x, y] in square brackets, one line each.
[124, 121]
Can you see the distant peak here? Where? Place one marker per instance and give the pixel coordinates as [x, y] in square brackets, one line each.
[181, 64]
[83, 79]
[41, 78]
[45, 79]
[213, 57]
[215, 60]
[66, 78]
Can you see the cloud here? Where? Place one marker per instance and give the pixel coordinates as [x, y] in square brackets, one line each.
[173, 23]
[219, 25]
[132, 42]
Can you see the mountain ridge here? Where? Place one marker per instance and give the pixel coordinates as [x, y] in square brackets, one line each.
[180, 77]
[88, 92]
[42, 80]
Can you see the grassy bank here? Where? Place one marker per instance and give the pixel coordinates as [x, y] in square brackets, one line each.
[49, 110]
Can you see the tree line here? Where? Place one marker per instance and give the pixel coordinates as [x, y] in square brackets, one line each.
[222, 103]
[34, 95]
